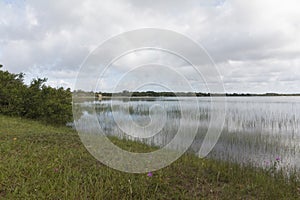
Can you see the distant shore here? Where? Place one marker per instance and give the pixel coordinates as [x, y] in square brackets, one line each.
[152, 94]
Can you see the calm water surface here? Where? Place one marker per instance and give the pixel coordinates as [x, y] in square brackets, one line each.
[256, 129]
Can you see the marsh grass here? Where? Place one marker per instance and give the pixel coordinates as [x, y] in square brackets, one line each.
[47, 162]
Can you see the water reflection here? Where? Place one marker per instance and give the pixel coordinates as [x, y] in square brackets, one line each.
[256, 129]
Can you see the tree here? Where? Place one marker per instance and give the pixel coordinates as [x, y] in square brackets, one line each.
[36, 101]
[11, 93]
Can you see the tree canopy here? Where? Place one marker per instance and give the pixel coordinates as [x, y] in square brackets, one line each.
[36, 101]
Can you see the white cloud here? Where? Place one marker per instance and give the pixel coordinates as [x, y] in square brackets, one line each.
[255, 44]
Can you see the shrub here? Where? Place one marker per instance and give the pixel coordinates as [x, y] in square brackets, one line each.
[35, 101]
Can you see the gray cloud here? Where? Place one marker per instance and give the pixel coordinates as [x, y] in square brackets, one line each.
[255, 44]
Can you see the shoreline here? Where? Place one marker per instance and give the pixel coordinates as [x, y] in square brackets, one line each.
[43, 161]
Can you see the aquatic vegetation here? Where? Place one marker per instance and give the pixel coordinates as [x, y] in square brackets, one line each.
[256, 128]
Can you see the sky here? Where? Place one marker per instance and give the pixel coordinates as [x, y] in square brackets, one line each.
[255, 45]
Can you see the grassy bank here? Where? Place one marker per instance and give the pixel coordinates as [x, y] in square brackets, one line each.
[46, 162]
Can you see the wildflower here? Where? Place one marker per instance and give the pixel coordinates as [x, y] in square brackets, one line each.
[278, 158]
[15, 139]
[267, 162]
[150, 174]
[56, 169]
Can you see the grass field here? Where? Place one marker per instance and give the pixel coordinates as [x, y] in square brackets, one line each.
[46, 162]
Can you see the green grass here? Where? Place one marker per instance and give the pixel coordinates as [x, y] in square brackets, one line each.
[46, 162]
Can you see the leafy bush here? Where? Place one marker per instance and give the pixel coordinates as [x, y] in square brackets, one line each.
[36, 101]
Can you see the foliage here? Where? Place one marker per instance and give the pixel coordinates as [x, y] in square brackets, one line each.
[126, 93]
[36, 101]
[11, 93]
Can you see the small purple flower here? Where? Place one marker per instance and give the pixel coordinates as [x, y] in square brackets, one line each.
[150, 174]
[277, 158]
[55, 169]
[267, 162]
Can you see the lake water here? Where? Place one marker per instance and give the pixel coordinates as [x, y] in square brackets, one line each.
[256, 130]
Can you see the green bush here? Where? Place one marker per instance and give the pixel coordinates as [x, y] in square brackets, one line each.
[36, 101]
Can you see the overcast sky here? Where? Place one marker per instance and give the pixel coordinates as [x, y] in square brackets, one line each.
[254, 44]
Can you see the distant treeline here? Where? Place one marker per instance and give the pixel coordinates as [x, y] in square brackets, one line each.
[183, 94]
[34, 101]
